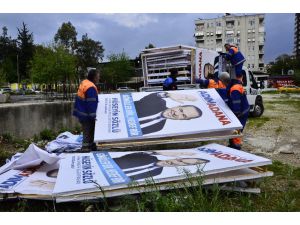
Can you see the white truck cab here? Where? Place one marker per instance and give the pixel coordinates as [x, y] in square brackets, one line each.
[253, 93]
[192, 63]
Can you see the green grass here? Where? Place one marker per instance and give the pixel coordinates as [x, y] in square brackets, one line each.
[257, 122]
[291, 102]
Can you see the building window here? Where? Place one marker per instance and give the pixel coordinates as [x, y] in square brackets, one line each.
[218, 24]
[253, 48]
[252, 22]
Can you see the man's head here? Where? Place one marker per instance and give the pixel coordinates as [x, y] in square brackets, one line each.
[181, 162]
[93, 76]
[185, 112]
[227, 46]
[225, 78]
[173, 72]
[208, 70]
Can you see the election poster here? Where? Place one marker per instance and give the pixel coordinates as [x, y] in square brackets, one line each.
[106, 171]
[223, 179]
[146, 115]
[206, 63]
[41, 182]
[12, 178]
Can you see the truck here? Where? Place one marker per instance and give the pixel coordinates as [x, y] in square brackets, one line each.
[193, 63]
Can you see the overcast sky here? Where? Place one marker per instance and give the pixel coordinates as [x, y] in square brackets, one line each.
[132, 32]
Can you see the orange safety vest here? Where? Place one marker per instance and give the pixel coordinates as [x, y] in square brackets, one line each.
[84, 86]
[235, 49]
[213, 84]
[237, 87]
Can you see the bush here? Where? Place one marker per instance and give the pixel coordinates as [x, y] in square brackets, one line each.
[47, 135]
[7, 138]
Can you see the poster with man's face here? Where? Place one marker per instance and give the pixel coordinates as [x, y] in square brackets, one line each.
[86, 172]
[142, 115]
[206, 62]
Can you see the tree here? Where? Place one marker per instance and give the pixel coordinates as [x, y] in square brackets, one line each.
[52, 64]
[8, 57]
[66, 36]
[282, 64]
[26, 49]
[89, 53]
[150, 46]
[118, 69]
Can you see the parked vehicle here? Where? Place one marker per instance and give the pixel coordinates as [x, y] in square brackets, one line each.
[193, 63]
[4, 90]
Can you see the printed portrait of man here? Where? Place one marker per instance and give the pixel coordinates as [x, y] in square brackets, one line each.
[208, 71]
[142, 165]
[153, 112]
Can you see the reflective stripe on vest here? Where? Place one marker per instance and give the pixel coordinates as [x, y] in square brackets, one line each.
[84, 86]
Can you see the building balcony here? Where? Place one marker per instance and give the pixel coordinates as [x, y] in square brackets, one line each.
[229, 32]
[219, 32]
[199, 34]
[201, 41]
[261, 29]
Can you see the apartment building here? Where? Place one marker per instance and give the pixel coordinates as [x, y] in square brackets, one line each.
[245, 31]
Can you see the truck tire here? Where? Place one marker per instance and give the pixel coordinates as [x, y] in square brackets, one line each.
[258, 110]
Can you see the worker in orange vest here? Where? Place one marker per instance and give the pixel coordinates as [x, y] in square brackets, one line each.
[85, 108]
[236, 58]
[238, 103]
[211, 82]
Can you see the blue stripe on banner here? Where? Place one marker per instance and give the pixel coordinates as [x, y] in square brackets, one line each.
[132, 121]
[112, 172]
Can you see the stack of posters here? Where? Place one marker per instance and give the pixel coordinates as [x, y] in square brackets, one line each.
[94, 175]
[160, 117]
[86, 176]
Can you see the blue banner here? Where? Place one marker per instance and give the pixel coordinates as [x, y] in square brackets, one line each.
[112, 172]
[132, 121]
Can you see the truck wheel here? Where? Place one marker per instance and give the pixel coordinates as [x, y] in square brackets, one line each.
[258, 110]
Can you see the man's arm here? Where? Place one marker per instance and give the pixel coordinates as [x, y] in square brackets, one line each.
[203, 83]
[236, 97]
[92, 102]
[229, 55]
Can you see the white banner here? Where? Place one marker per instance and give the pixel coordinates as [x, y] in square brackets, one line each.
[86, 172]
[206, 62]
[140, 115]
